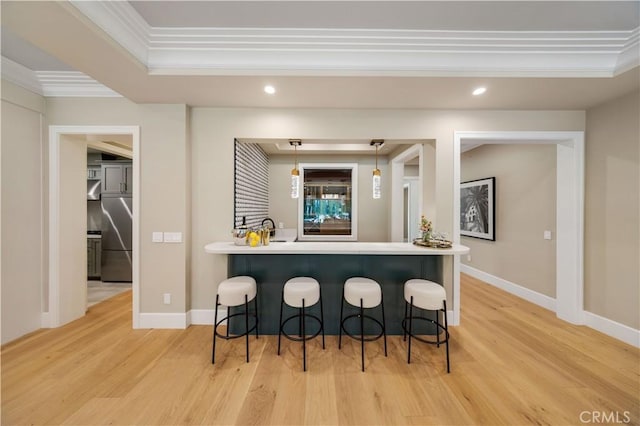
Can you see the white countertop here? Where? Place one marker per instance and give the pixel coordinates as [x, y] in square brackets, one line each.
[300, 247]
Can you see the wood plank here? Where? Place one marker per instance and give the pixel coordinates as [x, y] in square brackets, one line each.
[511, 363]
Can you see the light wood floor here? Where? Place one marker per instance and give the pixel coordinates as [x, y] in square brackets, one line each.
[512, 363]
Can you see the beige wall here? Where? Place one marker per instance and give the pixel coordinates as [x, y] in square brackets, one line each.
[525, 208]
[72, 246]
[176, 166]
[214, 129]
[612, 213]
[164, 187]
[22, 215]
[373, 219]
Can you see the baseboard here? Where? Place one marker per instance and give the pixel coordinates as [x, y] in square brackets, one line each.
[205, 316]
[45, 320]
[163, 320]
[515, 289]
[612, 328]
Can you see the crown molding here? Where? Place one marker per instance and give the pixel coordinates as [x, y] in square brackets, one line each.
[20, 75]
[340, 52]
[54, 83]
[121, 22]
[629, 57]
[72, 84]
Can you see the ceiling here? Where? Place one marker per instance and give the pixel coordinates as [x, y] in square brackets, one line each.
[327, 54]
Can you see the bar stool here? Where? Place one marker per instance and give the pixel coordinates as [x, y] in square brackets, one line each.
[235, 292]
[429, 296]
[301, 293]
[363, 293]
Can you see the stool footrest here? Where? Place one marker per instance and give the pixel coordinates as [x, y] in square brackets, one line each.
[235, 336]
[415, 336]
[366, 339]
[305, 338]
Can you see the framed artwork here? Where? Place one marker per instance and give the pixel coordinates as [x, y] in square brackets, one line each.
[478, 208]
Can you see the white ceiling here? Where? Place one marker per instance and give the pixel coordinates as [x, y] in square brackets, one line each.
[327, 54]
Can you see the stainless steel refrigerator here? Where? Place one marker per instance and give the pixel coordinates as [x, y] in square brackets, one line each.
[117, 219]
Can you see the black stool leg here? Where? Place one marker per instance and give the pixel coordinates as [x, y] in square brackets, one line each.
[228, 319]
[340, 328]
[404, 327]
[322, 320]
[446, 331]
[256, 302]
[246, 322]
[362, 332]
[384, 326]
[410, 330]
[215, 322]
[438, 328]
[304, 339]
[280, 322]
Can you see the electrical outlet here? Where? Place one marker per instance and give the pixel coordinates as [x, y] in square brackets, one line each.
[173, 237]
[167, 298]
[547, 235]
[157, 237]
[469, 258]
[280, 225]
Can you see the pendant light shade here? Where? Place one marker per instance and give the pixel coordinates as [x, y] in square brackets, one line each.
[295, 173]
[377, 176]
[377, 181]
[295, 183]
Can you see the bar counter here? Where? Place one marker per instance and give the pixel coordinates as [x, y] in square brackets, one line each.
[331, 263]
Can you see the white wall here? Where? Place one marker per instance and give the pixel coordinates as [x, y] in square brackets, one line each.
[22, 212]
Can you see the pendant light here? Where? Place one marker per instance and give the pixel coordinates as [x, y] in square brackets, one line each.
[295, 173]
[377, 178]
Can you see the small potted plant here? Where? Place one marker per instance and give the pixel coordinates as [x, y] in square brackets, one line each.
[426, 228]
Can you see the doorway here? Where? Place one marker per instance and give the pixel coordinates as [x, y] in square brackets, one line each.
[569, 212]
[67, 271]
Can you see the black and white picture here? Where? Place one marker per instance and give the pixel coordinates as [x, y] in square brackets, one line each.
[477, 208]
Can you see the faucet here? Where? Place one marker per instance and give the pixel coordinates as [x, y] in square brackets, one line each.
[272, 229]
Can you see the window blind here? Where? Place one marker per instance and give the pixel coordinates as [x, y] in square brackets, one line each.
[251, 184]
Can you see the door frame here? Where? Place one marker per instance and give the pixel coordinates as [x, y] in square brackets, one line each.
[397, 182]
[569, 211]
[52, 318]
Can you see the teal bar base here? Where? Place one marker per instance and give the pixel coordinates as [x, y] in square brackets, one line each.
[271, 271]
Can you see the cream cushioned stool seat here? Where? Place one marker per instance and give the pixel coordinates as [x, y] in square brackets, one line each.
[235, 292]
[363, 293]
[429, 296]
[301, 293]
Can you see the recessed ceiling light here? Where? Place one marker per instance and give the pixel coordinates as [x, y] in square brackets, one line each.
[269, 89]
[479, 91]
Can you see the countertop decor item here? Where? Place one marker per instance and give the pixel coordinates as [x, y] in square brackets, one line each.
[433, 243]
[426, 228]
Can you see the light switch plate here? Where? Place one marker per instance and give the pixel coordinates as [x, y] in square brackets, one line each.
[157, 237]
[547, 235]
[173, 237]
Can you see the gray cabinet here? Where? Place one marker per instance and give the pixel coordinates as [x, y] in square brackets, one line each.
[94, 172]
[94, 254]
[117, 178]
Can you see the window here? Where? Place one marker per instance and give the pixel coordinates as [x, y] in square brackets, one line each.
[327, 207]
